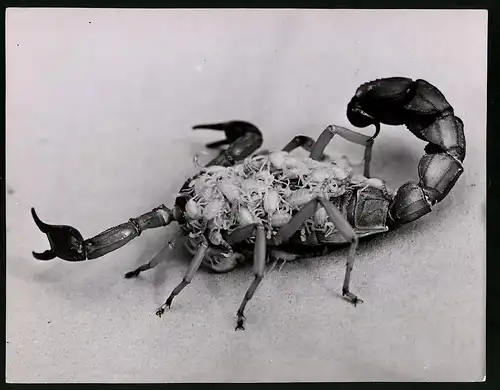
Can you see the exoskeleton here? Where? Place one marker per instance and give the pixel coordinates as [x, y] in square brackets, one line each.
[268, 207]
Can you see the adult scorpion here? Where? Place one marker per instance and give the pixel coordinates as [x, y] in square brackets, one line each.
[353, 209]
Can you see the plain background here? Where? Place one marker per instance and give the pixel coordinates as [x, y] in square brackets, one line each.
[100, 104]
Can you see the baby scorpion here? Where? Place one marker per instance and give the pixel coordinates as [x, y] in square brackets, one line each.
[351, 209]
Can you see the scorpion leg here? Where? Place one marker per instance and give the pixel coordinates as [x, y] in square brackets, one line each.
[346, 230]
[276, 255]
[295, 224]
[340, 222]
[67, 243]
[259, 262]
[153, 263]
[349, 135]
[243, 139]
[188, 276]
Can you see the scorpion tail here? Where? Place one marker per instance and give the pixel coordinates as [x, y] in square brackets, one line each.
[427, 114]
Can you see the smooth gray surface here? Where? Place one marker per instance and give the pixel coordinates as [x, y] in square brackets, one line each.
[99, 109]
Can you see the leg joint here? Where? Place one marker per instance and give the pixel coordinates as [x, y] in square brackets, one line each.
[159, 216]
[135, 224]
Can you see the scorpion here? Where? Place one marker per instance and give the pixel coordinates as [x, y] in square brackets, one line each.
[352, 211]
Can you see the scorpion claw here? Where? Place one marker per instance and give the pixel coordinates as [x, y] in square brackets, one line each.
[233, 130]
[65, 241]
[216, 144]
[47, 255]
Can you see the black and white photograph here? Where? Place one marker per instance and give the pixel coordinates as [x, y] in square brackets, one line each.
[245, 195]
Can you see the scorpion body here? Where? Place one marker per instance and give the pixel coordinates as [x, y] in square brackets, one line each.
[233, 202]
[274, 206]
